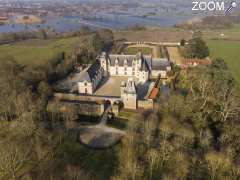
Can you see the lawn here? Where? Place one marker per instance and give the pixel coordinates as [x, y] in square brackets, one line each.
[230, 51]
[130, 115]
[135, 50]
[37, 51]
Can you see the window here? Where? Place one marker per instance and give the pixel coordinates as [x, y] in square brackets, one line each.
[85, 84]
[86, 91]
[125, 70]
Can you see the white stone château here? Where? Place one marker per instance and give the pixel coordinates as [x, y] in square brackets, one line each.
[137, 68]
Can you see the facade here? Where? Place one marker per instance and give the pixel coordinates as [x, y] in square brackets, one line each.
[137, 66]
[142, 68]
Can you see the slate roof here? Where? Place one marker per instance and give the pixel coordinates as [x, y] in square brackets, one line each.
[160, 64]
[144, 65]
[121, 59]
[145, 60]
[89, 73]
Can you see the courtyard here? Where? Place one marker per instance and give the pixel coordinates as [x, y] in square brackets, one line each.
[110, 86]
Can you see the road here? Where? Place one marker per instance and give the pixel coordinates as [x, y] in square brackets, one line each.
[104, 117]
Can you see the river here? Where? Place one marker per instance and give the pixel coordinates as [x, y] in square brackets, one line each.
[111, 21]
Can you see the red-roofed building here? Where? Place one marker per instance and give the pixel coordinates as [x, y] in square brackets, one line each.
[3, 18]
[154, 93]
[195, 62]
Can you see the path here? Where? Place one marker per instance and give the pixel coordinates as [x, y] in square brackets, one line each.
[175, 55]
[104, 117]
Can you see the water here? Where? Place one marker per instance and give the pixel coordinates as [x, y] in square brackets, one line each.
[103, 20]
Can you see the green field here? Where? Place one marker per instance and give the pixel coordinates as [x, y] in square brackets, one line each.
[230, 51]
[37, 51]
[228, 34]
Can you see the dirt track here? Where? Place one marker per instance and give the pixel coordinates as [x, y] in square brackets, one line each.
[175, 55]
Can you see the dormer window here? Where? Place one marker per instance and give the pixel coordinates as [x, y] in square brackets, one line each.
[116, 62]
[133, 63]
[125, 62]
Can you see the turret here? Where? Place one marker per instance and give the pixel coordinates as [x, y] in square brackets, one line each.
[129, 94]
[103, 60]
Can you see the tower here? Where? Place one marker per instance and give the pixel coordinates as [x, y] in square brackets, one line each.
[129, 94]
[104, 62]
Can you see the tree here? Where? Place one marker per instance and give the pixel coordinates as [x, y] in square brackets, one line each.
[43, 33]
[84, 30]
[12, 159]
[107, 38]
[182, 42]
[220, 64]
[197, 48]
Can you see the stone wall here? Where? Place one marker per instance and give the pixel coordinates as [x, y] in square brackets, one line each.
[130, 101]
[145, 104]
[80, 108]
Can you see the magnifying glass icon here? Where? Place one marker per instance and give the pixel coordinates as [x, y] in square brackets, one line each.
[230, 8]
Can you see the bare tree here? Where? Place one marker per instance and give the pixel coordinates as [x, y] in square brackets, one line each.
[12, 160]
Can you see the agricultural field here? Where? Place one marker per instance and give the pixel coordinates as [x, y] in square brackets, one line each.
[37, 51]
[230, 51]
[154, 35]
